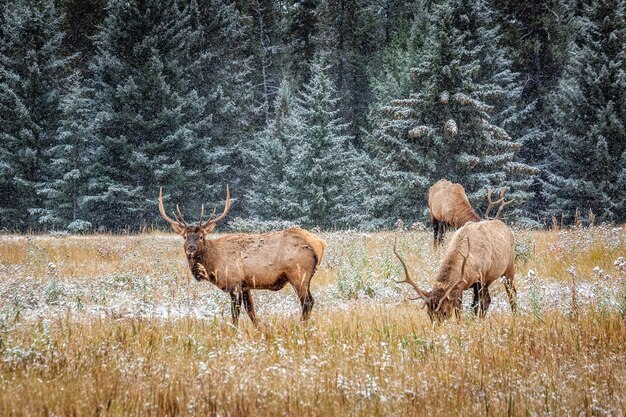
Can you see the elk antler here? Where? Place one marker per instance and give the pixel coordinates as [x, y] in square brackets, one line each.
[462, 279]
[500, 201]
[491, 203]
[503, 205]
[422, 294]
[175, 223]
[201, 215]
[221, 216]
[182, 219]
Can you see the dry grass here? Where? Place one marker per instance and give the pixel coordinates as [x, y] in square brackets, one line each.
[114, 326]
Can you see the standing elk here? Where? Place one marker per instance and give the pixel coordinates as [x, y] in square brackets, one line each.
[489, 248]
[239, 263]
[449, 206]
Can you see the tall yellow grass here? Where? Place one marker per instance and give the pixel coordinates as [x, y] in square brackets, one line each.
[361, 356]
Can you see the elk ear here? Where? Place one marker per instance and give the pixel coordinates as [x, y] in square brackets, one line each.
[209, 228]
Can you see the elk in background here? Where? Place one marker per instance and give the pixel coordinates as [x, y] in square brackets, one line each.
[240, 263]
[449, 206]
[478, 254]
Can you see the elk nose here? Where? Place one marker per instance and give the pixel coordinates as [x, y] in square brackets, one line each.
[191, 249]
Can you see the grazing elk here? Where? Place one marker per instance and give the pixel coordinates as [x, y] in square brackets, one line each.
[478, 254]
[449, 206]
[240, 263]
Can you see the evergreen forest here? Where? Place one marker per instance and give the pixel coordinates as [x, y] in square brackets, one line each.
[337, 114]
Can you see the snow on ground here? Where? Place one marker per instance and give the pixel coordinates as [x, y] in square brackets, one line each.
[169, 297]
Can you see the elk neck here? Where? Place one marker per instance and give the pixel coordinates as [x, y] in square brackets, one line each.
[450, 270]
[205, 255]
[467, 214]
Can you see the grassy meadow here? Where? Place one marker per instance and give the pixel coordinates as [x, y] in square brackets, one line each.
[115, 326]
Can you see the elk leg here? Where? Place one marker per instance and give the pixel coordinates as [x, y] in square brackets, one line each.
[307, 305]
[435, 232]
[441, 232]
[485, 300]
[306, 299]
[475, 303]
[235, 304]
[249, 304]
[511, 291]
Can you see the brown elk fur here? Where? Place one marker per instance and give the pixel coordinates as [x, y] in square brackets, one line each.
[239, 263]
[478, 254]
[449, 206]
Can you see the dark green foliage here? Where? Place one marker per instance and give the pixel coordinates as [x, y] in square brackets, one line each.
[269, 160]
[299, 38]
[149, 125]
[103, 101]
[218, 68]
[449, 125]
[324, 174]
[34, 76]
[69, 161]
[536, 35]
[588, 153]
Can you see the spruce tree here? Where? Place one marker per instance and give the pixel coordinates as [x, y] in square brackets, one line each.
[588, 152]
[301, 19]
[269, 160]
[343, 36]
[536, 36]
[69, 160]
[34, 75]
[219, 69]
[151, 126]
[262, 20]
[451, 124]
[398, 60]
[325, 172]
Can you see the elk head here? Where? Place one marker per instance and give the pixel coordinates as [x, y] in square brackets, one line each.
[443, 300]
[194, 234]
[500, 201]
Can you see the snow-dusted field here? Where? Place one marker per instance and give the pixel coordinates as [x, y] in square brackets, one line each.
[134, 297]
[117, 324]
[147, 277]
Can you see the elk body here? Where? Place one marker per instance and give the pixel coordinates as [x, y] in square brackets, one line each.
[240, 263]
[449, 206]
[478, 254]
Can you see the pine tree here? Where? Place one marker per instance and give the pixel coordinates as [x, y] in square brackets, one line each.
[398, 60]
[262, 21]
[269, 160]
[149, 123]
[451, 123]
[69, 160]
[220, 71]
[536, 35]
[299, 38]
[34, 74]
[324, 174]
[589, 147]
[343, 37]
